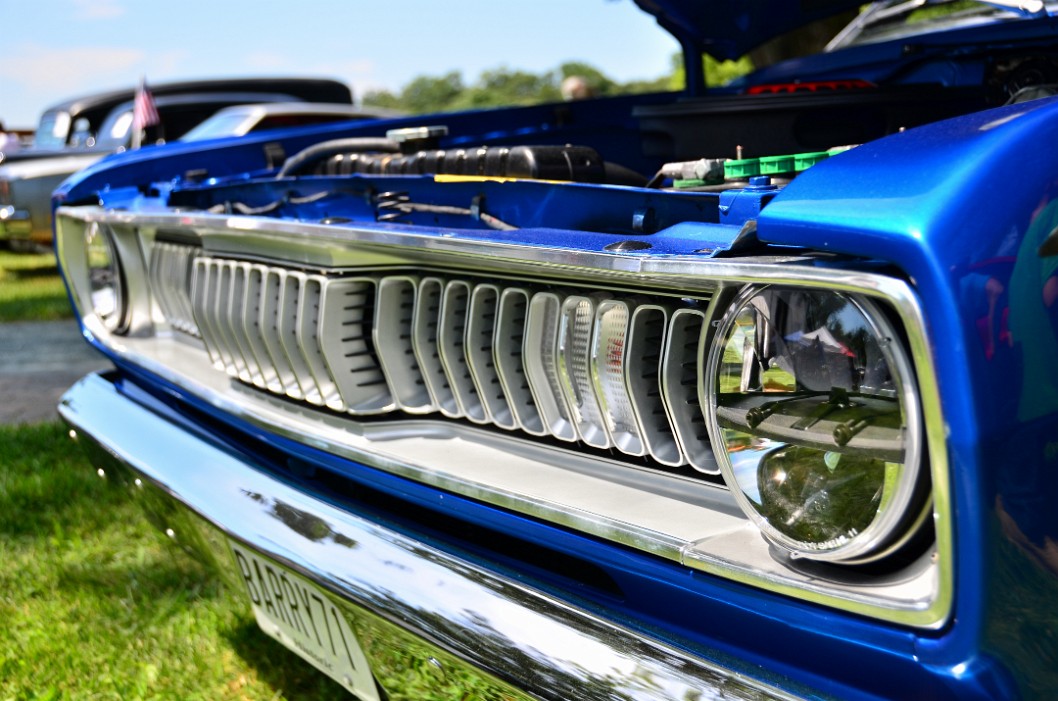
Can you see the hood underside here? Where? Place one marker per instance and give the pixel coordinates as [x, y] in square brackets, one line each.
[727, 29]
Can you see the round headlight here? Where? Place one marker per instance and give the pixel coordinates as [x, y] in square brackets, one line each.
[814, 419]
[105, 282]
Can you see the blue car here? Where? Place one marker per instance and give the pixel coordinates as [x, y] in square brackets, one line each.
[746, 392]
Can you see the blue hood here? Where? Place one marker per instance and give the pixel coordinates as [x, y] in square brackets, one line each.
[727, 29]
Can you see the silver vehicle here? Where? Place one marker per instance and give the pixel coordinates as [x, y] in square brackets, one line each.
[66, 142]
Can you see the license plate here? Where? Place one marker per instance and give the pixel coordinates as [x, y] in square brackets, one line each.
[303, 619]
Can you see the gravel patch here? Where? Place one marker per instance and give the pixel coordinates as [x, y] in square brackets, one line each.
[39, 360]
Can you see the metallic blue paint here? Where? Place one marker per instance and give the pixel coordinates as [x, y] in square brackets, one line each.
[961, 207]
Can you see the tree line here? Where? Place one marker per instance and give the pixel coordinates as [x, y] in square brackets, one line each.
[501, 87]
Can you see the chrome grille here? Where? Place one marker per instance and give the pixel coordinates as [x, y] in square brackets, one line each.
[169, 272]
[610, 371]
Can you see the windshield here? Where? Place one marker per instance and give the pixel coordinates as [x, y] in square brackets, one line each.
[115, 130]
[897, 19]
[217, 126]
[53, 130]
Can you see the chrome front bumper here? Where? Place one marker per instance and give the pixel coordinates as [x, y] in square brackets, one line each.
[413, 606]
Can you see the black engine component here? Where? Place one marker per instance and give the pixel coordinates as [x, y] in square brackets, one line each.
[566, 163]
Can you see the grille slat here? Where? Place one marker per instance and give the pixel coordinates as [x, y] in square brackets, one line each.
[613, 373]
[509, 357]
[452, 329]
[170, 270]
[680, 373]
[252, 320]
[541, 365]
[481, 325]
[394, 326]
[646, 341]
[575, 333]
[344, 330]
[425, 342]
[608, 364]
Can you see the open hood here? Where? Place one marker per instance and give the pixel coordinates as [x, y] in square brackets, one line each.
[727, 29]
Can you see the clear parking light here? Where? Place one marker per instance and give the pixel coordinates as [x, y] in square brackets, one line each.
[105, 280]
[815, 422]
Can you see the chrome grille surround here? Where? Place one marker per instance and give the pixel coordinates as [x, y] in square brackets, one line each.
[687, 521]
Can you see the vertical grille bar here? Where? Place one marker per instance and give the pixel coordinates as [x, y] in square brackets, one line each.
[229, 349]
[646, 341]
[508, 354]
[237, 314]
[426, 344]
[308, 334]
[541, 365]
[609, 364]
[169, 271]
[271, 316]
[252, 327]
[452, 344]
[203, 282]
[576, 326]
[481, 326]
[393, 331]
[346, 339]
[289, 301]
[680, 382]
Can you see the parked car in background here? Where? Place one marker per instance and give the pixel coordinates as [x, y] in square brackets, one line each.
[240, 120]
[28, 177]
[745, 393]
[74, 123]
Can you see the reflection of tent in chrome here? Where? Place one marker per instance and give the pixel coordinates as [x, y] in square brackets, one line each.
[821, 337]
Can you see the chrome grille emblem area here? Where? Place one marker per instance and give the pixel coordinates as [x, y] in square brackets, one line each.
[605, 370]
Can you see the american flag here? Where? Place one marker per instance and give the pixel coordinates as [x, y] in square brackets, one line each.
[144, 111]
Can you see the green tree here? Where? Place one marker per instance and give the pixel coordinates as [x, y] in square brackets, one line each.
[432, 94]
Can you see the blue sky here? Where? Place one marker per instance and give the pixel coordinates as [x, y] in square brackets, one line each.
[57, 49]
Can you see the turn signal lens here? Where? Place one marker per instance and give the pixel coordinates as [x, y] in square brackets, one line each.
[815, 422]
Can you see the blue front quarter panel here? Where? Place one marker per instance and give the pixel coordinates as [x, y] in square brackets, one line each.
[962, 208]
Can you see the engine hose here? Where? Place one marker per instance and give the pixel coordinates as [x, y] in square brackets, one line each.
[317, 152]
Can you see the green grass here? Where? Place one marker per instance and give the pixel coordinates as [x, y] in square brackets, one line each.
[31, 289]
[94, 604]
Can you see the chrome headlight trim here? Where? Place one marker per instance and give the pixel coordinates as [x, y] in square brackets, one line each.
[349, 248]
[900, 510]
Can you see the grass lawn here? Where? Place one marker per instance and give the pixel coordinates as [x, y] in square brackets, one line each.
[31, 289]
[95, 604]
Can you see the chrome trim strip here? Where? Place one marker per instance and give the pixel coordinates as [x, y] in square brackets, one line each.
[408, 601]
[724, 554]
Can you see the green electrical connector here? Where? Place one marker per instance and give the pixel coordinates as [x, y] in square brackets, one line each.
[776, 165]
[804, 161]
[741, 169]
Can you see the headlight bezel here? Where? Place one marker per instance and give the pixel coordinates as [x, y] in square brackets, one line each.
[109, 277]
[902, 510]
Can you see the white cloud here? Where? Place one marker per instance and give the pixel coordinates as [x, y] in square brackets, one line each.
[97, 9]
